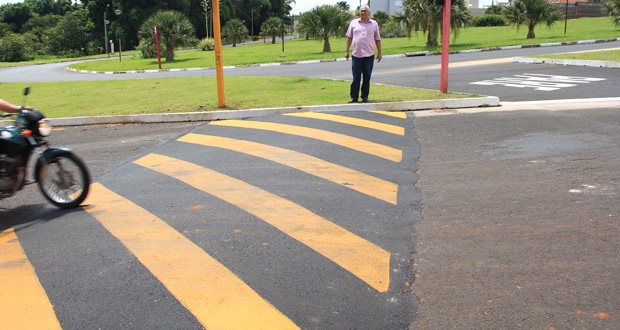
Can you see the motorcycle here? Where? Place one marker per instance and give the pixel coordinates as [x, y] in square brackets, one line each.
[62, 177]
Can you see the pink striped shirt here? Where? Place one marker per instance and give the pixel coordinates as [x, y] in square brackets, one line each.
[364, 36]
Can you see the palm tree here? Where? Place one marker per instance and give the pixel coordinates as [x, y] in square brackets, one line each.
[325, 21]
[612, 9]
[381, 17]
[428, 16]
[531, 13]
[272, 27]
[174, 30]
[302, 29]
[235, 31]
[343, 5]
[494, 10]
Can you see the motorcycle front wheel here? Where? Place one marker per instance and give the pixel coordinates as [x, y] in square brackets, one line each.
[64, 181]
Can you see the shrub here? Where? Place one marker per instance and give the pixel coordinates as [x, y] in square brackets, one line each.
[489, 20]
[148, 49]
[13, 49]
[392, 30]
[207, 44]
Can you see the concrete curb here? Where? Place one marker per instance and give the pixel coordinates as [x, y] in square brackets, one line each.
[489, 101]
[423, 53]
[597, 64]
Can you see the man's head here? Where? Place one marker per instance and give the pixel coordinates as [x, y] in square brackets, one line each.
[364, 13]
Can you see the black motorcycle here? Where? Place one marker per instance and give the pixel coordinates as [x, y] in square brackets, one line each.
[62, 177]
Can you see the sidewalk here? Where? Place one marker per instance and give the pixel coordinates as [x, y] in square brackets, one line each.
[489, 101]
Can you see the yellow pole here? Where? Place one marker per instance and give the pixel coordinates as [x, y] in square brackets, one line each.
[219, 68]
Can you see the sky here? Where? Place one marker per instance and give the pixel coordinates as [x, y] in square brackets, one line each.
[299, 7]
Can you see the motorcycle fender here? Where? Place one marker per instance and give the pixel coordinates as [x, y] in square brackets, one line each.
[50, 153]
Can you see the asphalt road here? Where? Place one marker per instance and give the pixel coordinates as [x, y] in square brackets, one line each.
[505, 218]
[520, 219]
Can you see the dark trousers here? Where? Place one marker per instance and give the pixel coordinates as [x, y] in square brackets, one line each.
[362, 68]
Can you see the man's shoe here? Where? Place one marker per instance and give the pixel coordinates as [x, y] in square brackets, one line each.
[352, 101]
[364, 100]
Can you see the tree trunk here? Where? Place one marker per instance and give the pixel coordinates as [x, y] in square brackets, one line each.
[530, 33]
[432, 37]
[169, 54]
[326, 46]
[273, 39]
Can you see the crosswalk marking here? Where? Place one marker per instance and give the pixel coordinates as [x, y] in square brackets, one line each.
[341, 175]
[216, 296]
[23, 302]
[540, 82]
[350, 142]
[362, 258]
[351, 121]
[397, 114]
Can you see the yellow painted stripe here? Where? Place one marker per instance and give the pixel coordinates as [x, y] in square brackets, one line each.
[364, 183]
[335, 138]
[362, 258]
[23, 302]
[397, 114]
[216, 296]
[351, 121]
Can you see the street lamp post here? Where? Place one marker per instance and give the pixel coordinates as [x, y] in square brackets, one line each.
[105, 29]
[118, 13]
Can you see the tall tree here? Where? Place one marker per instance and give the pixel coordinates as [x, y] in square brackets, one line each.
[16, 15]
[612, 9]
[51, 7]
[427, 15]
[531, 13]
[381, 17]
[235, 31]
[343, 5]
[71, 35]
[325, 21]
[272, 27]
[174, 30]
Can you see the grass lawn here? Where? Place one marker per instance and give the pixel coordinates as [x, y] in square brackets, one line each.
[172, 95]
[597, 55]
[298, 50]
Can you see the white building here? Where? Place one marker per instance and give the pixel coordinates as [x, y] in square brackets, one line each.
[389, 6]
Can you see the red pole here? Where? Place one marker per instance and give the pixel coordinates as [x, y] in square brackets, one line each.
[157, 41]
[445, 45]
[575, 9]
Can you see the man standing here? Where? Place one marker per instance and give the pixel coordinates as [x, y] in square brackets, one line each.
[363, 33]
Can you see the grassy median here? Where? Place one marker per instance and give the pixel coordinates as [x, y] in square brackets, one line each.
[171, 95]
[300, 50]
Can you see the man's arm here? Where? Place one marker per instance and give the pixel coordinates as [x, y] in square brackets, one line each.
[378, 43]
[346, 54]
[8, 107]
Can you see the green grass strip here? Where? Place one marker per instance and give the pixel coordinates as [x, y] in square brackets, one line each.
[173, 95]
[597, 55]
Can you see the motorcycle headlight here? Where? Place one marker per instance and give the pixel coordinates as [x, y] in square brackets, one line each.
[45, 128]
